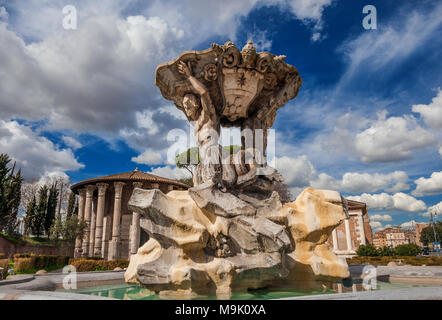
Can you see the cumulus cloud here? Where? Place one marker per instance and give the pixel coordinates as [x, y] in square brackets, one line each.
[297, 172]
[37, 156]
[71, 142]
[391, 139]
[355, 182]
[408, 224]
[171, 172]
[399, 201]
[435, 210]
[380, 217]
[148, 157]
[428, 186]
[431, 113]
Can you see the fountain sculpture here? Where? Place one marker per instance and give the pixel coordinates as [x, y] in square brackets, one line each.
[230, 231]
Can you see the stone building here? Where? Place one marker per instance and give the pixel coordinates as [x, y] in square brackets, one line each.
[395, 236]
[418, 230]
[114, 231]
[353, 232]
[379, 239]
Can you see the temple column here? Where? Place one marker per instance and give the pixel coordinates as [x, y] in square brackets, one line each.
[361, 228]
[135, 230]
[155, 186]
[100, 217]
[335, 240]
[116, 220]
[93, 223]
[169, 187]
[81, 201]
[87, 219]
[347, 234]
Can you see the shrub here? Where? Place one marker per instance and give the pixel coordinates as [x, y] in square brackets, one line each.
[367, 250]
[24, 263]
[4, 263]
[407, 250]
[84, 265]
[385, 252]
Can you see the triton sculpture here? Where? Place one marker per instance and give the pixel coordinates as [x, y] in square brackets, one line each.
[230, 231]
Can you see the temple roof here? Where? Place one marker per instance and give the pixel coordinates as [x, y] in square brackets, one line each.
[132, 176]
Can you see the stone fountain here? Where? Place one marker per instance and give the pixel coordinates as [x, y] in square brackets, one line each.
[230, 232]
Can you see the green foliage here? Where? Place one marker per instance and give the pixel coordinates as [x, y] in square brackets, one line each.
[385, 252]
[69, 229]
[410, 249]
[50, 208]
[427, 234]
[367, 250]
[31, 212]
[10, 195]
[71, 205]
[38, 222]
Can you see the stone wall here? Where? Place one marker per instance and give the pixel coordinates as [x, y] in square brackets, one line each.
[8, 249]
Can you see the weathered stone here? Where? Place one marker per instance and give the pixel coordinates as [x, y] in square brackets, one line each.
[230, 231]
[41, 272]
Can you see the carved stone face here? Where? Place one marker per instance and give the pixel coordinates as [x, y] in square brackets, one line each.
[191, 106]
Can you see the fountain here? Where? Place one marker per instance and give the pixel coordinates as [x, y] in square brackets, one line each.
[230, 232]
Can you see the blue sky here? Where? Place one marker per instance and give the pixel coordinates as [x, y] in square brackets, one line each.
[367, 120]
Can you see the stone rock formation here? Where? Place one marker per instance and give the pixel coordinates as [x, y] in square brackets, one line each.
[230, 231]
[192, 251]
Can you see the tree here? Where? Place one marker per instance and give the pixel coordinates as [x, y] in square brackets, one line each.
[71, 205]
[366, 250]
[410, 249]
[188, 159]
[427, 234]
[39, 219]
[10, 186]
[69, 229]
[51, 208]
[385, 252]
[283, 191]
[31, 212]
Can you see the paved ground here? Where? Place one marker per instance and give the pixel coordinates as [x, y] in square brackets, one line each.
[41, 287]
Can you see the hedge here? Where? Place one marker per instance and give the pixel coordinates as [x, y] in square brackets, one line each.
[85, 264]
[383, 261]
[25, 263]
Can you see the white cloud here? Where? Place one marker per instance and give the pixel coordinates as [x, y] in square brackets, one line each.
[355, 182]
[435, 210]
[171, 173]
[391, 139]
[3, 13]
[408, 224]
[399, 201]
[297, 172]
[37, 156]
[432, 185]
[432, 113]
[375, 224]
[380, 217]
[148, 157]
[378, 52]
[72, 142]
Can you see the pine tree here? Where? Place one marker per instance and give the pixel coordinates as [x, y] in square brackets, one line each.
[71, 205]
[51, 208]
[13, 200]
[4, 173]
[39, 219]
[31, 211]
[10, 193]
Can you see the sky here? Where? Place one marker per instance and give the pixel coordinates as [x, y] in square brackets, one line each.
[80, 100]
